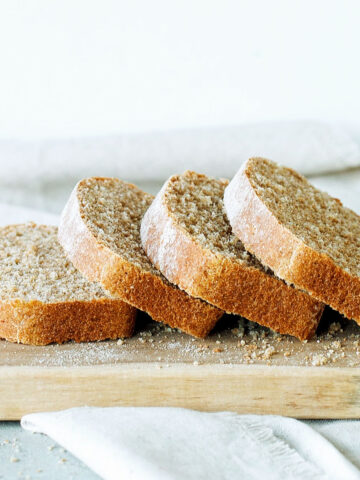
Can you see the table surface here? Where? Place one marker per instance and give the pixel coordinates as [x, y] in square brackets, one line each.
[32, 456]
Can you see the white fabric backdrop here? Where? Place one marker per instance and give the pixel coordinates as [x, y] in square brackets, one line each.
[42, 173]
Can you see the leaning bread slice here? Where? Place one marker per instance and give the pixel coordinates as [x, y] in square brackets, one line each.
[100, 232]
[44, 299]
[187, 236]
[307, 237]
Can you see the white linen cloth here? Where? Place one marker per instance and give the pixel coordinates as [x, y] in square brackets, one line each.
[177, 444]
[42, 174]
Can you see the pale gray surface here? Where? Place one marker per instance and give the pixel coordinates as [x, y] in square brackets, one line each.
[32, 456]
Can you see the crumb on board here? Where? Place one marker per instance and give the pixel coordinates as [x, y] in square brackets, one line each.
[242, 342]
[318, 360]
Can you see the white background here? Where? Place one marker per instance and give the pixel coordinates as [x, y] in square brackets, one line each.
[84, 67]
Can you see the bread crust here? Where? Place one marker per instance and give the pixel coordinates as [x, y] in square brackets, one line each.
[222, 282]
[122, 279]
[289, 257]
[39, 323]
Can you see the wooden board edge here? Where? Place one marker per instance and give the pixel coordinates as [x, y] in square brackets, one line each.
[300, 392]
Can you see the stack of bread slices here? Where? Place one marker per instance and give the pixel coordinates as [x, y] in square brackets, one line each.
[267, 246]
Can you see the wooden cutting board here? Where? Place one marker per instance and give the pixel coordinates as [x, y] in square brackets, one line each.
[240, 367]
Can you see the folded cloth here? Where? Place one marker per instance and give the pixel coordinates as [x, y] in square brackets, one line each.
[14, 214]
[177, 444]
[41, 174]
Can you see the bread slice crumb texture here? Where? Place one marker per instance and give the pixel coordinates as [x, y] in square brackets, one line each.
[196, 201]
[316, 218]
[307, 237]
[187, 235]
[100, 232]
[45, 299]
[112, 210]
[33, 266]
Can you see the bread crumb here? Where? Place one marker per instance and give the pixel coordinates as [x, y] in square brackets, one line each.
[319, 360]
[334, 328]
[269, 352]
[239, 332]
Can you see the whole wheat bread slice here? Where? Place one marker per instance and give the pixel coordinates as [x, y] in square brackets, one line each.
[187, 236]
[44, 299]
[100, 232]
[307, 237]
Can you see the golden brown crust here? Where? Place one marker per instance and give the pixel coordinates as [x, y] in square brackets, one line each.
[145, 291]
[287, 255]
[38, 323]
[229, 285]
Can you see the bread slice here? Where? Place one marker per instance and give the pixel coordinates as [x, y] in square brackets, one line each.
[186, 234]
[100, 232]
[44, 299]
[305, 236]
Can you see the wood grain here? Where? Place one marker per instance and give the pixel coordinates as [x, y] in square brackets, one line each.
[162, 367]
[300, 392]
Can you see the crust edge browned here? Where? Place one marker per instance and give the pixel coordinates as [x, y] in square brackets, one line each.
[284, 253]
[39, 323]
[124, 280]
[226, 284]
